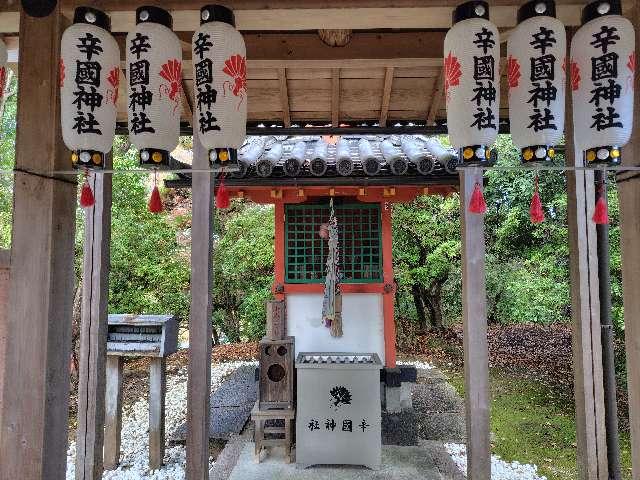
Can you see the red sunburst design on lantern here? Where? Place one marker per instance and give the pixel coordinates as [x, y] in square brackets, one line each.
[236, 67]
[172, 72]
[575, 76]
[631, 65]
[114, 80]
[61, 74]
[452, 73]
[513, 72]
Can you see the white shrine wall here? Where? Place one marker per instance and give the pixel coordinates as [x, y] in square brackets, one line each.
[362, 324]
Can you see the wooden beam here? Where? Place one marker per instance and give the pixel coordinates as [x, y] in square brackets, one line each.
[629, 198]
[306, 50]
[386, 95]
[284, 96]
[93, 330]
[199, 379]
[474, 321]
[314, 15]
[35, 405]
[335, 97]
[585, 313]
[437, 96]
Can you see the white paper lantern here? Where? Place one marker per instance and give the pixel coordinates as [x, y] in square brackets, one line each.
[220, 81]
[536, 53]
[472, 81]
[89, 87]
[602, 75]
[154, 72]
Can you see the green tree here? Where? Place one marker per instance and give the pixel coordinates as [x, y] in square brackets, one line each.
[149, 267]
[7, 160]
[243, 270]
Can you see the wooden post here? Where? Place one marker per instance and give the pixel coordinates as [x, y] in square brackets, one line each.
[93, 330]
[113, 412]
[157, 389]
[278, 252]
[5, 267]
[388, 296]
[34, 428]
[585, 313]
[474, 319]
[199, 381]
[629, 197]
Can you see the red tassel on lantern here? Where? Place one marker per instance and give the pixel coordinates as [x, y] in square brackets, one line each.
[477, 203]
[601, 213]
[86, 194]
[155, 202]
[536, 214]
[222, 197]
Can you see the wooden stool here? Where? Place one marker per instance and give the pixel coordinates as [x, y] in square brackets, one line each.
[260, 417]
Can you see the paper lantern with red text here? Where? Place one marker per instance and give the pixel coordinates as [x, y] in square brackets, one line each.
[154, 73]
[472, 82]
[602, 75]
[536, 53]
[89, 87]
[220, 84]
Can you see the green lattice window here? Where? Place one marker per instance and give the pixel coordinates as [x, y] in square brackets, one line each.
[359, 236]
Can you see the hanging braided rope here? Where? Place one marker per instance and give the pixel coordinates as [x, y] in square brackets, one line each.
[332, 302]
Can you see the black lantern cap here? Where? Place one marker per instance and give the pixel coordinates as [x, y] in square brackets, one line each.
[537, 8]
[217, 13]
[475, 9]
[600, 8]
[150, 14]
[92, 16]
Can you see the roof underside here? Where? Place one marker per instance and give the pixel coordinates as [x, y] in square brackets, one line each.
[388, 70]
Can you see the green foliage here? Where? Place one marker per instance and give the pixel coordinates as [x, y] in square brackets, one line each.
[527, 265]
[7, 161]
[149, 268]
[243, 270]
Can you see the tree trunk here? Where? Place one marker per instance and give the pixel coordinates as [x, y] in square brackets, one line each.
[75, 330]
[417, 300]
[216, 337]
[7, 93]
[432, 299]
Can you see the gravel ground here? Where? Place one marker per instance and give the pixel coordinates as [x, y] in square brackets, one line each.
[500, 470]
[135, 424]
[134, 460]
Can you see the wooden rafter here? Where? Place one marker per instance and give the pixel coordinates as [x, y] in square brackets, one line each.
[335, 96]
[436, 99]
[300, 15]
[386, 95]
[284, 96]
